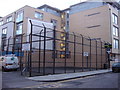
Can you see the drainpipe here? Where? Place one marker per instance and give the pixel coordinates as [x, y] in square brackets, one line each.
[110, 24]
[111, 36]
[14, 33]
[14, 29]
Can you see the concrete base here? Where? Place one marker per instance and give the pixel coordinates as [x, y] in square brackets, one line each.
[59, 77]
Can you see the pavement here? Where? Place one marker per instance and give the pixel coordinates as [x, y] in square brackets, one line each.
[60, 77]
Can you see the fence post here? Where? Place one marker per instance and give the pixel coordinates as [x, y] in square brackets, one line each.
[106, 62]
[74, 50]
[90, 53]
[28, 58]
[96, 55]
[54, 49]
[30, 64]
[13, 49]
[21, 52]
[4, 40]
[66, 50]
[39, 50]
[101, 54]
[44, 53]
[8, 45]
[82, 52]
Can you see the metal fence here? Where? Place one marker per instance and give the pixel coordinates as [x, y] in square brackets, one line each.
[53, 52]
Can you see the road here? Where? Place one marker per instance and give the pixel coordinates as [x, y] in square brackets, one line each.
[108, 80]
[0, 79]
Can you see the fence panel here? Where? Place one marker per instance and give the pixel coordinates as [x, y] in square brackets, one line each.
[50, 51]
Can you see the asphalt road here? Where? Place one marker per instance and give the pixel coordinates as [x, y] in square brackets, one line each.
[0, 80]
[108, 80]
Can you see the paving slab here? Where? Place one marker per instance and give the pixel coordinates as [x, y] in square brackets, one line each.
[60, 77]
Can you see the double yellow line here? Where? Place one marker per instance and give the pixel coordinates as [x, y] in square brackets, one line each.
[55, 83]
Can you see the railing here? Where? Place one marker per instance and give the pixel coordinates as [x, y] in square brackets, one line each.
[51, 52]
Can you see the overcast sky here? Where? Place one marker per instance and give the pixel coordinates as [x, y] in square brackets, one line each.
[9, 6]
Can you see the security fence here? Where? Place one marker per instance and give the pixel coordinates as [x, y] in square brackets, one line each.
[49, 51]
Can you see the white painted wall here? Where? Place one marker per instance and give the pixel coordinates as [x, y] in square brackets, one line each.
[10, 29]
[36, 30]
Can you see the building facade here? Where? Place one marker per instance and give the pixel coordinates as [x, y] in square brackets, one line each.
[16, 23]
[99, 20]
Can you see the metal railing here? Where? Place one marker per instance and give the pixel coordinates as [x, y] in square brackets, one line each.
[53, 52]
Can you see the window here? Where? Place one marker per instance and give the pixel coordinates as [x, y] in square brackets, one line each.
[9, 19]
[116, 43]
[19, 28]
[43, 9]
[17, 42]
[115, 31]
[62, 16]
[115, 19]
[68, 12]
[67, 15]
[64, 27]
[54, 22]
[67, 25]
[3, 43]
[38, 15]
[4, 32]
[19, 16]
[1, 22]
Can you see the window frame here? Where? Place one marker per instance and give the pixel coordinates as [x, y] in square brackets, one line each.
[114, 17]
[9, 19]
[54, 22]
[19, 16]
[115, 31]
[1, 22]
[17, 29]
[4, 34]
[38, 15]
[62, 16]
[116, 43]
[68, 15]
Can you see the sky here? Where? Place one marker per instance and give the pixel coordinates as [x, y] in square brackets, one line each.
[9, 6]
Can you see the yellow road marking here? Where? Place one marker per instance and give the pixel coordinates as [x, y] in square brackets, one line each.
[52, 83]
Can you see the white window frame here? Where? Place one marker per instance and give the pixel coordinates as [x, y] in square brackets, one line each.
[115, 31]
[19, 17]
[115, 18]
[19, 28]
[116, 43]
[4, 31]
[1, 22]
[39, 15]
[43, 9]
[9, 19]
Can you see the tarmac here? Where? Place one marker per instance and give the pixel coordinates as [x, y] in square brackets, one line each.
[66, 76]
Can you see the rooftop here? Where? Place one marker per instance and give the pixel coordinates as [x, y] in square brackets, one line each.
[45, 5]
[111, 2]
